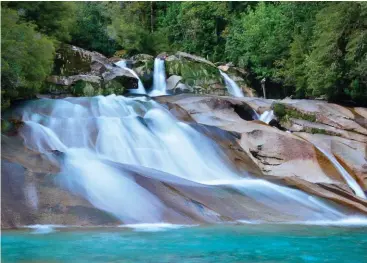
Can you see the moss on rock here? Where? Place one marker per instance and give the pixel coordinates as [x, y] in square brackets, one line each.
[113, 87]
[193, 73]
[70, 62]
[84, 88]
[285, 112]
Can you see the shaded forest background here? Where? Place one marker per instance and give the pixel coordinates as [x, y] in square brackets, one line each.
[303, 49]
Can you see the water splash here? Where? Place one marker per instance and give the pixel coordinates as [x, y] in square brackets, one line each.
[348, 178]
[159, 79]
[267, 116]
[154, 227]
[141, 89]
[232, 86]
[43, 229]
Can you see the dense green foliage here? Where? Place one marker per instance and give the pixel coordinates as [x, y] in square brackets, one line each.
[55, 19]
[306, 49]
[26, 58]
[91, 24]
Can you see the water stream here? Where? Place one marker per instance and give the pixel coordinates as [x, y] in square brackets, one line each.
[159, 79]
[267, 116]
[231, 85]
[141, 89]
[92, 132]
[348, 178]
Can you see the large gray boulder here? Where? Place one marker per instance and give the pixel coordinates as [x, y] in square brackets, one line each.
[172, 82]
[79, 72]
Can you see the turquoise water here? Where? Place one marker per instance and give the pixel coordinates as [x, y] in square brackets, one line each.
[236, 243]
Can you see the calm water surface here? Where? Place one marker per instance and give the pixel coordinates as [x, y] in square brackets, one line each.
[236, 243]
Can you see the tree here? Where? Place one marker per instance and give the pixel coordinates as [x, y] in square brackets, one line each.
[337, 63]
[292, 68]
[196, 27]
[91, 30]
[132, 28]
[26, 58]
[259, 38]
[55, 19]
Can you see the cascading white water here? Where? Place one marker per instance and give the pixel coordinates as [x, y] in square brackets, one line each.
[159, 78]
[122, 63]
[348, 178]
[139, 131]
[267, 116]
[141, 89]
[232, 86]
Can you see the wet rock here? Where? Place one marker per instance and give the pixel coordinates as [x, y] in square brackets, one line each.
[281, 155]
[350, 153]
[162, 55]
[224, 68]
[122, 76]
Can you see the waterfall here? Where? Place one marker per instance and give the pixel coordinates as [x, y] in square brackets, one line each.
[231, 85]
[267, 116]
[141, 89]
[96, 134]
[347, 177]
[121, 63]
[159, 78]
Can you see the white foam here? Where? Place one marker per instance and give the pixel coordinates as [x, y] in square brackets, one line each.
[44, 229]
[154, 227]
[267, 116]
[349, 221]
[346, 222]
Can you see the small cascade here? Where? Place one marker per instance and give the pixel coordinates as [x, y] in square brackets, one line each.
[159, 78]
[348, 178]
[232, 86]
[267, 116]
[141, 89]
[122, 63]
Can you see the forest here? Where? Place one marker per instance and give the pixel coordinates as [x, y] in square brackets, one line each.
[303, 49]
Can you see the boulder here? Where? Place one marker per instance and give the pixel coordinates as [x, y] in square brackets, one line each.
[162, 55]
[282, 157]
[223, 68]
[142, 57]
[320, 117]
[79, 72]
[183, 88]
[72, 60]
[249, 92]
[188, 56]
[70, 80]
[352, 154]
[122, 76]
[35, 198]
[172, 82]
[172, 58]
[97, 68]
[327, 113]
